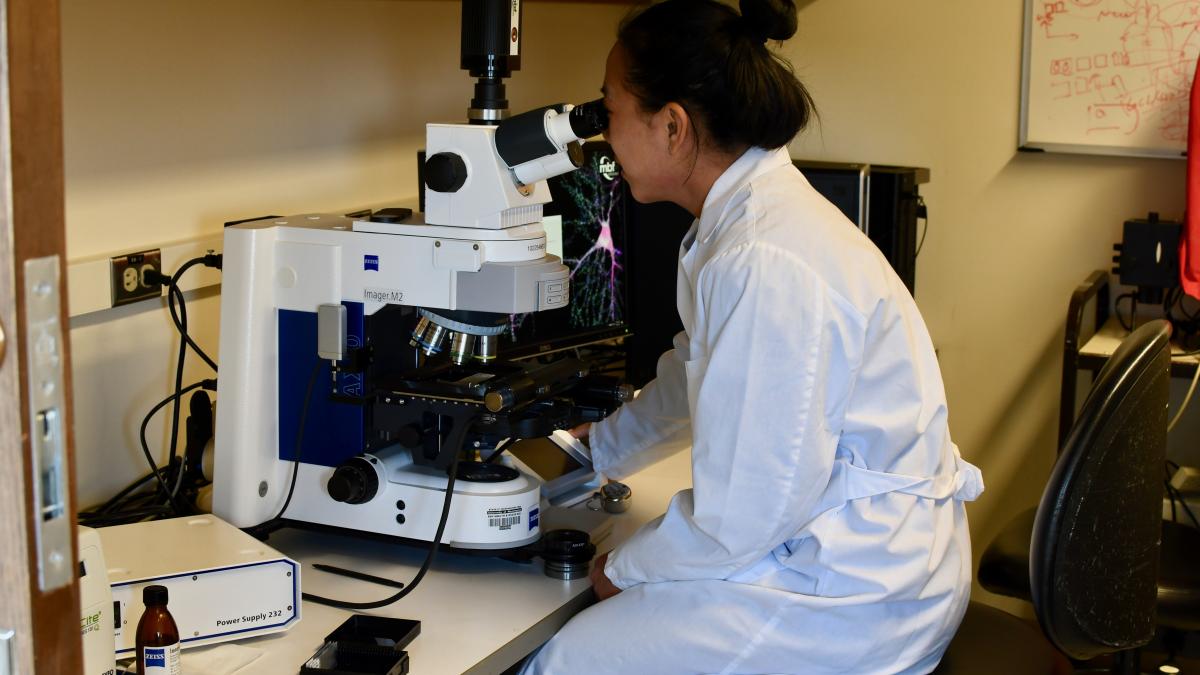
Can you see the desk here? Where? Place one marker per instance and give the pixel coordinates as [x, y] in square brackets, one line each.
[1091, 338]
[478, 615]
[1095, 352]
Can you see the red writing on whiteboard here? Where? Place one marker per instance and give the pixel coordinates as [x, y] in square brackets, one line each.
[1130, 72]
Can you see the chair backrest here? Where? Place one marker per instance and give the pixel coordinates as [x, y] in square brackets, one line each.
[1094, 554]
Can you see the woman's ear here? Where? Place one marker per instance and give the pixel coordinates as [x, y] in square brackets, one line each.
[677, 128]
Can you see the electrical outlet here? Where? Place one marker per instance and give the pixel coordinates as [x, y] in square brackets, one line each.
[128, 276]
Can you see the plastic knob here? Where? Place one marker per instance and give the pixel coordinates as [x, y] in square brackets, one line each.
[445, 172]
[354, 482]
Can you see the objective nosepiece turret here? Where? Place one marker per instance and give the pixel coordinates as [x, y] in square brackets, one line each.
[470, 335]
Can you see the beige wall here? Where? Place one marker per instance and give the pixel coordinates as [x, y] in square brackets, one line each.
[183, 114]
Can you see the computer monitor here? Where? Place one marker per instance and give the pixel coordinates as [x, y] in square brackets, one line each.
[585, 226]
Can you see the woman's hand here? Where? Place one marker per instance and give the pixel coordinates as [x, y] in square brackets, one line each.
[600, 584]
[582, 431]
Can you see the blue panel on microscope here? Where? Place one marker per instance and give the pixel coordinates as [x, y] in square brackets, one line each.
[333, 431]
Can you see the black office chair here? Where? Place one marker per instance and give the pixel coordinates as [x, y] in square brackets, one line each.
[1091, 551]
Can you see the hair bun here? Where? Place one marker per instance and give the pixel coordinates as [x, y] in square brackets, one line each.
[769, 19]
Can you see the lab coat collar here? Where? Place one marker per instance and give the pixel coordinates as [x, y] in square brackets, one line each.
[753, 163]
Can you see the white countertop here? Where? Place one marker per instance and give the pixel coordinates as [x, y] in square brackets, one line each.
[477, 614]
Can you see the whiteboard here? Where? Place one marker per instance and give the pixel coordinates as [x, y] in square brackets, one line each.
[1108, 76]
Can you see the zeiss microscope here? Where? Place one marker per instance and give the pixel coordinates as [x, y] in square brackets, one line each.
[361, 387]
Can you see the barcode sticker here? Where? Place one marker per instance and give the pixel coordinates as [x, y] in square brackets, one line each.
[504, 518]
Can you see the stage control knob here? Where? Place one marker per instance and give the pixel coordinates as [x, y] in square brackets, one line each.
[354, 482]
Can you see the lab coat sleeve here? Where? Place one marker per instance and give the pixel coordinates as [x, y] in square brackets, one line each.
[651, 427]
[765, 414]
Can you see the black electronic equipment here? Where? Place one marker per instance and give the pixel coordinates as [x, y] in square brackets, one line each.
[365, 644]
[1148, 256]
[655, 233]
[883, 201]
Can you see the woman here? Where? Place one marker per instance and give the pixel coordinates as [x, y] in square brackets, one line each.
[825, 530]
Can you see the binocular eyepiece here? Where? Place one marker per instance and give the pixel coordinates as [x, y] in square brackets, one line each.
[589, 119]
[544, 142]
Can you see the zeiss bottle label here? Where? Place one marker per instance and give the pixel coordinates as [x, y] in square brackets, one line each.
[161, 660]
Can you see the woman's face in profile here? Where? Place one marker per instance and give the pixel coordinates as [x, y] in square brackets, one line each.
[631, 133]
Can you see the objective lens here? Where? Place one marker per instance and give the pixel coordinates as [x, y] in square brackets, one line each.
[485, 348]
[462, 345]
[419, 332]
[431, 341]
[589, 119]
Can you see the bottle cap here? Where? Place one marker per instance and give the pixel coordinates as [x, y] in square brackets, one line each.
[154, 595]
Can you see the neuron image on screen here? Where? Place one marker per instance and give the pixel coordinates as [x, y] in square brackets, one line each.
[585, 226]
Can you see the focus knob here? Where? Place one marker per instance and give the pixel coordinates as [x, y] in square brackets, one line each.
[445, 172]
[354, 482]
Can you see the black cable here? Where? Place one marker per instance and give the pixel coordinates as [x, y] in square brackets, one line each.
[117, 498]
[499, 450]
[121, 505]
[924, 226]
[1176, 494]
[172, 291]
[1183, 502]
[125, 517]
[312, 380]
[181, 325]
[207, 384]
[179, 318]
[1117, 307]
[1167, 484]
[416, 580]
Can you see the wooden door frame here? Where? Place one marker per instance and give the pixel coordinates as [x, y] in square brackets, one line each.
[14, 568]
[35, 211]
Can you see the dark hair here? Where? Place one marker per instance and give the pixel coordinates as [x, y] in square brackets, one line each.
[714, 62]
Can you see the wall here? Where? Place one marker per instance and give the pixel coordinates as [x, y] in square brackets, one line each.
[937, 84]
[182, 115]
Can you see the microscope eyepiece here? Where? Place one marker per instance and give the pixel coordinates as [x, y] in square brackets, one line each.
[545, 142]
[589, 119]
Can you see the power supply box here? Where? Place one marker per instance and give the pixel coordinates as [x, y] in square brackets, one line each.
[222, 583]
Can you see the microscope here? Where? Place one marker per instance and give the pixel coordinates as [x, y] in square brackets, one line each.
[362, 386]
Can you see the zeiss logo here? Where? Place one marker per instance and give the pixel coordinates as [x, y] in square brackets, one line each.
[533, 518]
[156, 657]
[371, 262]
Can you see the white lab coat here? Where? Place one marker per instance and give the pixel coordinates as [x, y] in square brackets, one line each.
[825, 530]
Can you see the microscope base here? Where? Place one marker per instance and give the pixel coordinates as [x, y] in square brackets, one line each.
[485, 517]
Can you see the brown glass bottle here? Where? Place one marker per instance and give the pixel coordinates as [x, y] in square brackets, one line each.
[157, 635]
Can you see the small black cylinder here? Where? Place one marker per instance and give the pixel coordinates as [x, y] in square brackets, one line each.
[489, 94]
[567, 554]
